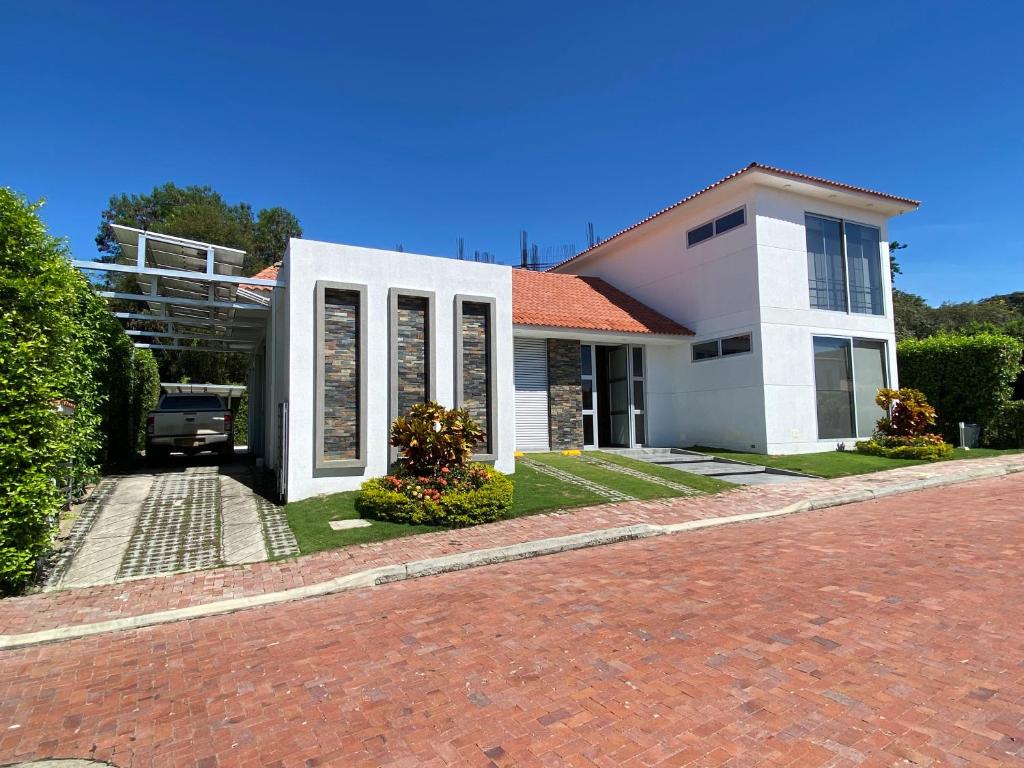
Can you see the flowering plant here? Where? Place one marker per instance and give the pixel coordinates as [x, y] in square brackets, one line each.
[432, 486]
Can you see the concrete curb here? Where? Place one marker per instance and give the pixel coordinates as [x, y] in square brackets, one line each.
[482, 557]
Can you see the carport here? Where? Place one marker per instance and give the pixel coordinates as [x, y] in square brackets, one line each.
[192, 296]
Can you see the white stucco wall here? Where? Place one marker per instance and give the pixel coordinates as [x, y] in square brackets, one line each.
[712, 289]
[754, 280]
[307, 262]
[788, 324]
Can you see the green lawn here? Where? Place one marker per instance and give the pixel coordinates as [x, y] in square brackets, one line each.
[534, 493]
[839, 463]
[308, 519]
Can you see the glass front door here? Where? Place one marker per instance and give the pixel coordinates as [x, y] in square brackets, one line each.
[618, 396]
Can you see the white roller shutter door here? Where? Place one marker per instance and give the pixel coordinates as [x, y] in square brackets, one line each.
[531, 380]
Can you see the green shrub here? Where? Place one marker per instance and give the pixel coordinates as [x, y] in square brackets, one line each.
[432, 437]
[908, 413]
[1007, 429]
[381, 499]
[145, 393]
[928, 448]
[54, 334]
[966, 378]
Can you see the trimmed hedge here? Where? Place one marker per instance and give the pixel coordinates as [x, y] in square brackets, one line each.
[907, 448]
[457, 509]
[966, 378]
[1007, 429]
[58, 342]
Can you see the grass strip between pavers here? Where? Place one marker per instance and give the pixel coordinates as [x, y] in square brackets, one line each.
[633, 486]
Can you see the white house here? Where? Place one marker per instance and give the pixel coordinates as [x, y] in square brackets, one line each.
[755, 314]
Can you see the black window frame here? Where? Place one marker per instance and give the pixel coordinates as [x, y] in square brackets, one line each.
[844, 255]
[713, 224]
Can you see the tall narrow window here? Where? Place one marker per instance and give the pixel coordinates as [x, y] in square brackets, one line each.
[341, 382]
[869, 377]
[864, 266]
[475, 350]
[833, 380]
[412, 349]
[639, 399]
[587, 393]
[825, 274]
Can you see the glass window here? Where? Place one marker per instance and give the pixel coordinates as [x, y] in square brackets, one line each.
[700, 234]
[586, 360]
[638, 429]
[588, 430]
[825, 275]
[638, 394]
[869, 377]
[730, 221]
[833, 381]
[706, 350]
[587, 388]
[638, 362]
[736, 345]
[864, 266]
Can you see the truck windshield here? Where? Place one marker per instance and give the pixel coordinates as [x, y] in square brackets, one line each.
[191, 403]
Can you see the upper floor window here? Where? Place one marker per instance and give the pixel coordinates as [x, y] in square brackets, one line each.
[730, 345]
[844, 265]
[717, 226]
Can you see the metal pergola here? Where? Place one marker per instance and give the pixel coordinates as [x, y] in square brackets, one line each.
[195, 291]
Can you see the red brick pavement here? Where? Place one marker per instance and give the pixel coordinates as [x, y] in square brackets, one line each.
[92, 604]
[883, 633]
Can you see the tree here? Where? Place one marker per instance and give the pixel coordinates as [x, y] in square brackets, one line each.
[894, 266]
[199, 213]
[274, 227]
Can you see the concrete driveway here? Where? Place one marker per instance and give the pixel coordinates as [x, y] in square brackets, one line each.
[191, 514]
[873, 634]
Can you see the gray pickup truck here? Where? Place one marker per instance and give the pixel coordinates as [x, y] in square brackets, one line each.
[190, 423]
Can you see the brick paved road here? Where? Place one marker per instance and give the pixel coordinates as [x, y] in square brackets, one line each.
[886, 633]
[80, 606]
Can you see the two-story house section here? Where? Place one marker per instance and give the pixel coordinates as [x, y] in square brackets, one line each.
[784, 281]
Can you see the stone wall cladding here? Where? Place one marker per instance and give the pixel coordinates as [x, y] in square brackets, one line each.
[565, 396]
[411, 353]
[476, 366]
[341, 374]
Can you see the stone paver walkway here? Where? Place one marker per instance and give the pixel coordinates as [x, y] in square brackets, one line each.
[183, 518]
[133, 598]
[876, 634]
[729, 471]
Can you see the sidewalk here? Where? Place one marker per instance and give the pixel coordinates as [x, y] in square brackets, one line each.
[73, 607]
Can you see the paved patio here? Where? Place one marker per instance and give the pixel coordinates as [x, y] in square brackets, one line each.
[874, 634]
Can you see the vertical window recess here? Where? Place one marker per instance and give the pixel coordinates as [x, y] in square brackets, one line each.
[475, 384]
[411, 346]
[340, 413]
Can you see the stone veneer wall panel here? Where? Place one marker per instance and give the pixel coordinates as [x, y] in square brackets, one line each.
[412, 362]
[341, 390]
[565, 395]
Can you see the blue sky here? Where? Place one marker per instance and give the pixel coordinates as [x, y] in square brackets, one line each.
[380, 124]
